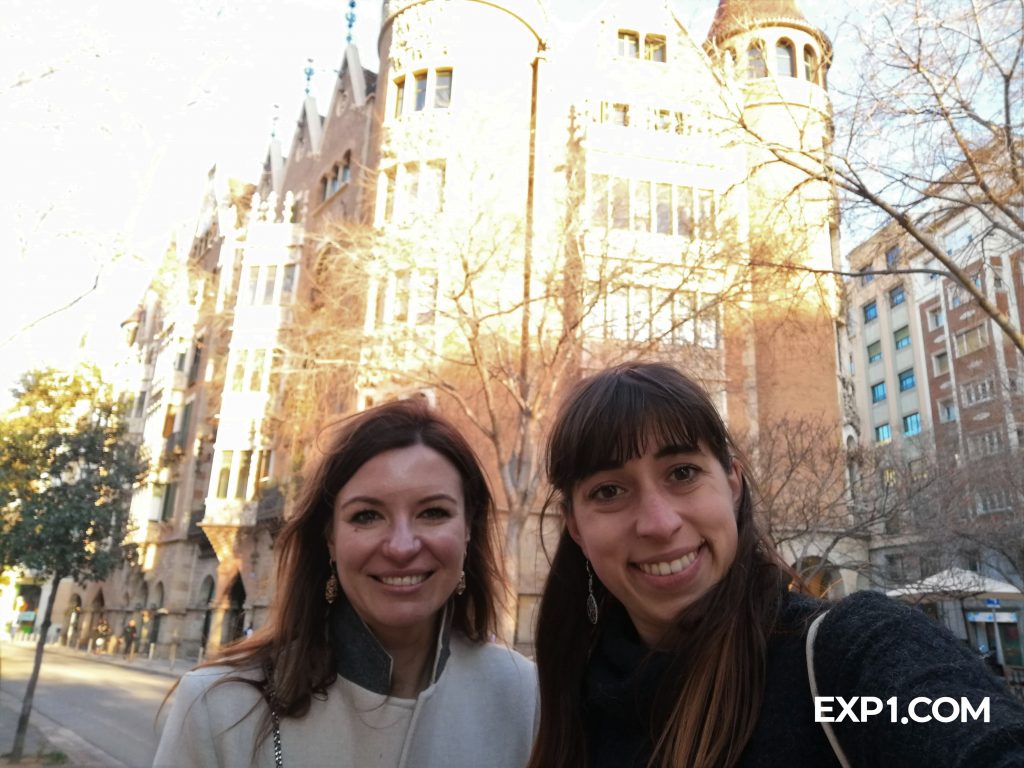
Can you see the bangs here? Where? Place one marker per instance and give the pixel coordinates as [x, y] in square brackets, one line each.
[619, 417]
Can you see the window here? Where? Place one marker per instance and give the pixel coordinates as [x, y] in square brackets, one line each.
[970, 340]
[977, 391]
[985, 444]
[642, 206]
[870, 311]
[902, 337]
[167, 506]
[426, 298]
[912, 424]
[263, 460]
[810, 64]
[620, 204]
[891, 256]
[936, 318]
[684, 211]
[896, 296]
[244, 465]
[140, 403]
[756, 66]
[706, 213]
[433, 187]
[254, 279]
[400, 307]
[256, 370]
[238, 374]
[940, 363]
[288, 284]
[866, 275]
[663, 209]
[785, 59]
[443, 89]
[599, 200]
[629, 44]
[883, 433]
[224, 475]
[907, 380]
[618, 114]
[346, 167]
[389, 194]
[399, 96]
[958, 240]
[269, 282]
[947, 411]
[664, 120]
[956, 296]
[874, 351]
[878, 392]
[654, 48]
[420, 96]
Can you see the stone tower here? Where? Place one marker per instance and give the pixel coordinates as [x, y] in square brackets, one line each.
[775, 64]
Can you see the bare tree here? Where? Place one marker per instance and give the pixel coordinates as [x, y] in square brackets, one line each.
[931, 126]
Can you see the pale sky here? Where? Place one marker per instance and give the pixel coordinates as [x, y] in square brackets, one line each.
[113, 113]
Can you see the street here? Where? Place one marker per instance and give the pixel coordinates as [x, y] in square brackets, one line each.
[110, 706]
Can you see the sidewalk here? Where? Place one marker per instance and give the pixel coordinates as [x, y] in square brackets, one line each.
[141, 663]
[35, 741]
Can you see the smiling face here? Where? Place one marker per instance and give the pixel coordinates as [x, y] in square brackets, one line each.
[659, 531]
[398, 537]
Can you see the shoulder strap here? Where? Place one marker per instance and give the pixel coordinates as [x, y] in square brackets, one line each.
[812, 632]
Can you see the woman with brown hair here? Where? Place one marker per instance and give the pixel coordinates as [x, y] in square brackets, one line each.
[377, 649]
[668, 635]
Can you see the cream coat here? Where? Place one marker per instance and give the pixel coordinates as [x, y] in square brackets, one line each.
[481, 713]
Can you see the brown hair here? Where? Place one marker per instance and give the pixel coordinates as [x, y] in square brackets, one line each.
[294, 644]
[717, 663]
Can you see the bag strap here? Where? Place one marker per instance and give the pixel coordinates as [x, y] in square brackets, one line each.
[275, 718]
[812, 632]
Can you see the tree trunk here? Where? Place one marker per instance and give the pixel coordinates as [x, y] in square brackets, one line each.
[509, 617]
[30, 690]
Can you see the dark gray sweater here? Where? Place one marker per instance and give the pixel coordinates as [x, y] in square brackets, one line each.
[867, 645]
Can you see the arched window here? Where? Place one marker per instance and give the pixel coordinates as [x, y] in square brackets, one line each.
[810, 64]
[785, 58]
[346, 168]
[756, 65]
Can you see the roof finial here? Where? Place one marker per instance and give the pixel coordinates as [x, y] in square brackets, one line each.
[350, 17]
[309, 71]
[273, 121]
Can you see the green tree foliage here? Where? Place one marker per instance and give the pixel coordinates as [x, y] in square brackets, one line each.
[66, 476]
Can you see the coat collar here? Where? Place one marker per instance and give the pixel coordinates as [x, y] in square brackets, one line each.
[361, 659]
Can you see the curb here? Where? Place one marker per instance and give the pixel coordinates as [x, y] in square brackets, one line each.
[140, 665]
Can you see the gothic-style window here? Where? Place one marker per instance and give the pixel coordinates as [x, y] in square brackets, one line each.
[756, 65]
[785, 59]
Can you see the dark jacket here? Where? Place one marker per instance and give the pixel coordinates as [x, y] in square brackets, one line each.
[867, 645]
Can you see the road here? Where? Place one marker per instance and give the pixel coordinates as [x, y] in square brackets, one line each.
[112, 707]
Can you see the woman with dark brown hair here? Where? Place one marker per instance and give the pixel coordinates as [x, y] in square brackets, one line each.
[377, 651]
[668, 635]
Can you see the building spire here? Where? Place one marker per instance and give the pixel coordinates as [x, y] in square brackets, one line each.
[273, 122]
[309, 72]
[350, 19]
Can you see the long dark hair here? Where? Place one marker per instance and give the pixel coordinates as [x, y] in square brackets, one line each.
[293, 645]
[709, 710]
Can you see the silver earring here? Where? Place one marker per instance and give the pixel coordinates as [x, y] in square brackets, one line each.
[591, 601]
[460, 588]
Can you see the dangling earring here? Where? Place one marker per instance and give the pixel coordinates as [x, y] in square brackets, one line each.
[332, 586]
[591, 601]
[460, 588]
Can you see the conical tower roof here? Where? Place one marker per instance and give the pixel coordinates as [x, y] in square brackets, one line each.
[734, 16]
